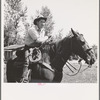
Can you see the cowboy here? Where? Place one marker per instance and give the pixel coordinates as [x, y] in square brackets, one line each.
[35, 36]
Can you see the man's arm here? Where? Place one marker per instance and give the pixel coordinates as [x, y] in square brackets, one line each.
[42, 39]
[36, 38]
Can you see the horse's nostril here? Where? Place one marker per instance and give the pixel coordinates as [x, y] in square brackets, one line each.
[92, 61]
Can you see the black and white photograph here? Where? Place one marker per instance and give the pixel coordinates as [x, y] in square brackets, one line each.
[50, 41]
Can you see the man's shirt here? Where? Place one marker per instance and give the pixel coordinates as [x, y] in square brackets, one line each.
[32, 35]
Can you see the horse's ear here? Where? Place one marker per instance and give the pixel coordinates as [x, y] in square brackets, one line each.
[88, 49]
[74, 33]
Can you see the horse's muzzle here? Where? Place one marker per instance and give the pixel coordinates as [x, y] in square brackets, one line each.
[90, 57]
[90, 61]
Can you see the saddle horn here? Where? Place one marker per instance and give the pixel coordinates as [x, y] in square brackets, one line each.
[73, 32]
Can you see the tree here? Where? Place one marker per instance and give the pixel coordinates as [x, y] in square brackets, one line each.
[58, 36]
[19, 39]
[13, 15]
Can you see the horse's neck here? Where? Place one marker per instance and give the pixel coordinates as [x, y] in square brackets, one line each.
[62, 54]
[57, 54]
[64, 48]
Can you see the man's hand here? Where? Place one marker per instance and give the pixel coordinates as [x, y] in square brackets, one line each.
[42, 39]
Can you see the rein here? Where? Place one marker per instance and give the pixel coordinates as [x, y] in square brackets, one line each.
[69, 66]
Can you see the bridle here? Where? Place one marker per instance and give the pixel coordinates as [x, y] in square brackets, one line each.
[71, 67]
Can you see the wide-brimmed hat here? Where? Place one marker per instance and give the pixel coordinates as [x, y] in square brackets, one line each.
[38, 19]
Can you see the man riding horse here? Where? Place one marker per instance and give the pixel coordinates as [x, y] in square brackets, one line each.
[35, 64]
[35, 36]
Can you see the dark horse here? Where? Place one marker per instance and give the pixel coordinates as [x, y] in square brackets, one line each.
[56, 54]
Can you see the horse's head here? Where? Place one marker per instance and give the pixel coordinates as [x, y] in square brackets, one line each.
[81, 48]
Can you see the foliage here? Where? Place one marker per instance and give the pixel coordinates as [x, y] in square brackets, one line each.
[19, 40]
[59, 36]
[13, 15]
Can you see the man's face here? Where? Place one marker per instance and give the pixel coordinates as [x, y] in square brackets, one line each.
[41, 23]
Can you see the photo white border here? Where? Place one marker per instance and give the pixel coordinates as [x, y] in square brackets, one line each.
[48, 91]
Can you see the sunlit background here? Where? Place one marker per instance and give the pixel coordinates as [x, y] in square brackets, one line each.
[81, 15]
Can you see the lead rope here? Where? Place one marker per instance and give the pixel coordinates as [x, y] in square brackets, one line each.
[85, 68]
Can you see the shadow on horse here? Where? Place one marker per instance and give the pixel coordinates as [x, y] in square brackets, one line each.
[56, 55]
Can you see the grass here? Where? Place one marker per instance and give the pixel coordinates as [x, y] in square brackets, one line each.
[87, 76]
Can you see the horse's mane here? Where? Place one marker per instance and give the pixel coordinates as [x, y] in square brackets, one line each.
[58, 46]
[67, 37]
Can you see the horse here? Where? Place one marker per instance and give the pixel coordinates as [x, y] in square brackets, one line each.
[56, 55]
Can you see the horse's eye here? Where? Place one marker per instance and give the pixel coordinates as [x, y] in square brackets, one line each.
[81, 34]
[82, 42]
